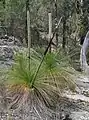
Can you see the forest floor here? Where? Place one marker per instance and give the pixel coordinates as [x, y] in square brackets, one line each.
[79, 100]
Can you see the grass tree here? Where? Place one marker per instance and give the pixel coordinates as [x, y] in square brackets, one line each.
[44, 89]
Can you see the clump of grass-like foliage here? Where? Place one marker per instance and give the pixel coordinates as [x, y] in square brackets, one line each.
[43, 88]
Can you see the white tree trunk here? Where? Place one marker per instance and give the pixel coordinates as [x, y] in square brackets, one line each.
[83, 59]
[50, 28]
[52, 47]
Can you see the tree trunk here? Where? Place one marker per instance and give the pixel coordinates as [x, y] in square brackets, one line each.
[64, 33]
[50, 29]
[29, 35]
[56, 15]
[83, 59]
[26, 33]
[26, 39]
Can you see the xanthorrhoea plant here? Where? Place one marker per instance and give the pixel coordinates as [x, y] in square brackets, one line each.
[44, 89]
[58, 68]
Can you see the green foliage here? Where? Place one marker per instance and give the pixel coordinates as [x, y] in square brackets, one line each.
[46, 88]
[50, 61]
